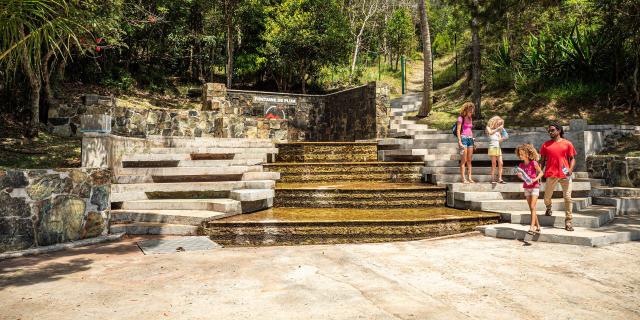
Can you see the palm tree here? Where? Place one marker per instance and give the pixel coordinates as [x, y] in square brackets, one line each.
[425, 109]
[29, 30]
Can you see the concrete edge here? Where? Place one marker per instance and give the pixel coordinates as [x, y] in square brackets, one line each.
[457, 235]
[60, 246]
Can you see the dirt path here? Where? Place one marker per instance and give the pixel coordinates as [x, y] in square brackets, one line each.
[415, 76]
[465, 278]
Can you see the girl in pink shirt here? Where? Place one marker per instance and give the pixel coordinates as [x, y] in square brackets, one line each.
[531, 173]
[464, 133]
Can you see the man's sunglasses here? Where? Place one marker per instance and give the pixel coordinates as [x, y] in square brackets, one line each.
[552, 130]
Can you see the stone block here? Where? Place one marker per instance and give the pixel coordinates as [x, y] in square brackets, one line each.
[617, 173]
[60, 221]
[12, 179]
[16, 234]
[61, 131]
[252, 132]
[43, 187]
[94, 225]
[13, 207]
[90, 99]
[95, 123]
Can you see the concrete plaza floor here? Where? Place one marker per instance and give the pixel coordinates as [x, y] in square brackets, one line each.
[473, 277]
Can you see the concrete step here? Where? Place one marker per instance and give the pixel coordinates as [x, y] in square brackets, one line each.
[208, 150]
[178, 142]
[409, 126]
[418, 132]
[404, 152]
[508, 187]
[521, 205]
[145, 191]
[485, 157]
[615, 192]
[188, 156]
[623, 205]
[477, 163]
[445, 178]
[187, 171]
[596, 182]
[251, 194]
[445, 137]
[190, 163]
[151, 228]
[247, 176]
[620, 230]
[222, 205]
[591, 217]
[509, 145]
[401, 120]
[180, 217]
[210, 144]
[441, 179]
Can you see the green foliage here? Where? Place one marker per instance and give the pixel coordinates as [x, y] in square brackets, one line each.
[28, 29]
[301, 36]
[120, 79]
[400, 33]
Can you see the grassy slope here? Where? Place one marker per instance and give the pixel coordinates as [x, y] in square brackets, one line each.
[523, 108]
[47, 151]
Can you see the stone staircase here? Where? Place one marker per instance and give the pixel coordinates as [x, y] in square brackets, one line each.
[625, 200]
[312, 177]
[178, 184]
[596, 220]
[409, 140]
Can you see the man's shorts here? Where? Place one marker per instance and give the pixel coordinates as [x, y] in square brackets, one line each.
[495, 152]
[467, 142]
[532, 192]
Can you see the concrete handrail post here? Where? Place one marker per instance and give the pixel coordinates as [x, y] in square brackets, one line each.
[96, 142]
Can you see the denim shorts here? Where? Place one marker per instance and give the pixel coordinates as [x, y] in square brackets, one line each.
[467, 142]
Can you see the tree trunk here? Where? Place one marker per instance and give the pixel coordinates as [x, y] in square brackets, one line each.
[636, 87]
[303, 72]
[190, 69]
[46, 79]
[228, 12]
[425, 109]
[355, 55]
[34, 97]
[475, 64]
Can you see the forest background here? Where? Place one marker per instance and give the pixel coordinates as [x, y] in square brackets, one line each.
[538, 60]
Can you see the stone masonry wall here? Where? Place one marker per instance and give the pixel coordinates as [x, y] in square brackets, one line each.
[346, 115]
[65, 119]
[44, 207]
[282, 116]
[617, 171]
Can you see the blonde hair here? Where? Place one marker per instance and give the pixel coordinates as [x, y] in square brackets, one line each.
[494, 122]
[467, 109]
[529, 151]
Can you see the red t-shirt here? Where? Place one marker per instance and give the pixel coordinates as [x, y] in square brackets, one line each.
[557, 154]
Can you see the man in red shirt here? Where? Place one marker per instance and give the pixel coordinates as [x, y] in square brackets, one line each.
[558, 160]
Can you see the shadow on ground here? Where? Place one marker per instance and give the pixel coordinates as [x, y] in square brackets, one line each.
[30, 270]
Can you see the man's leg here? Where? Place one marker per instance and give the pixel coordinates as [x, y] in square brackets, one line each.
[568, 205]
[549, 186]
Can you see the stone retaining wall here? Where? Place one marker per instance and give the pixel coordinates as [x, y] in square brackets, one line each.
[44, 207]
[348, 115]
[617, 171]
